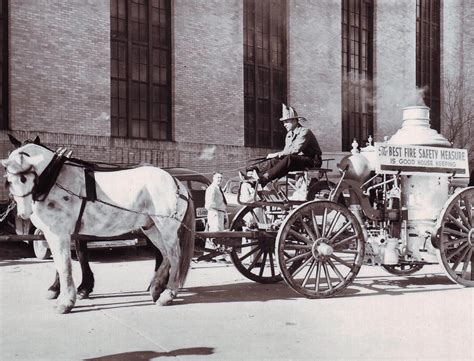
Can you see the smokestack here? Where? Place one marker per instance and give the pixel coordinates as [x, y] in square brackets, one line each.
[416, 129]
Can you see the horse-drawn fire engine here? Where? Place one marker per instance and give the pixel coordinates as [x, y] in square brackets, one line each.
[395, 205]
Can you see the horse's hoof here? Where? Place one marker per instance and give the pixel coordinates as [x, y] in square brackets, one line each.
[166, 298]
[83, 294]
[52, 294]
[62, 309]
[155, 292]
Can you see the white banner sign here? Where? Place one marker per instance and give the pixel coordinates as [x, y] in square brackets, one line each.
[392, 158]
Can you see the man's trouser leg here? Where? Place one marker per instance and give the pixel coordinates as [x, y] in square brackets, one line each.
[287, 164]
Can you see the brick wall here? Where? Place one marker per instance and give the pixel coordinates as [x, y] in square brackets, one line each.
[208, 71]
[395, 63]
[314, 50]
[60, 66]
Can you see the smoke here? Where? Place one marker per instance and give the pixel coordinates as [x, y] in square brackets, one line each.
[208, 153]
[417, 97]
[358, 86]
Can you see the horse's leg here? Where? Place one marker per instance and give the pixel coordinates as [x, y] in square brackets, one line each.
[53, 290]
[87, 284]
[162, 266]
[60, 248]
[169, 246]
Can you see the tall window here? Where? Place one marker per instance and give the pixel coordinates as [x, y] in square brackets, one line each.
[428, 55]
[265, 85]
[4, 64]
[141, 68]
[357, 71]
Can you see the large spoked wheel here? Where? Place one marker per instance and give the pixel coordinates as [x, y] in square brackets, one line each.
[456, 237]
[255, 258]
[320, 249]
[402, 269]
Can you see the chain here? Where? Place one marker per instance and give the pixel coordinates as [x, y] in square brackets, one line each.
[10, 207]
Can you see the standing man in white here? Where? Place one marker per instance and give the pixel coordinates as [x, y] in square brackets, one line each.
[216, 207]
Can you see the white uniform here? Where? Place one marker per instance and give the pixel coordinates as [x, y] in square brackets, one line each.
[216, 208]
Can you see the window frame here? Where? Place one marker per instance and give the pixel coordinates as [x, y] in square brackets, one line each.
[263, 97]
[151, 124]
[428, 56]
[357, 96]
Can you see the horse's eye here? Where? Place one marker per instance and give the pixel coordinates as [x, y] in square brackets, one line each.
[22, 178]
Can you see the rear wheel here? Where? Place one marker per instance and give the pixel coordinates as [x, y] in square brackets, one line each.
[255, 258]
[456, 237]
[320, 248]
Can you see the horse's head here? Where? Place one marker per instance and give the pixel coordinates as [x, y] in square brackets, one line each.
[22, 168]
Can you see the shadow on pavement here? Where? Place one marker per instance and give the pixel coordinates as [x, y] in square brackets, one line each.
[148, 355]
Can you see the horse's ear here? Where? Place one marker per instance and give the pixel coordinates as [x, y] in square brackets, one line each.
[37, 140]
[5, 162]
[14, 141]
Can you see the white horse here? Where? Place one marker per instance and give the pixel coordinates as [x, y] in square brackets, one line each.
[146, 198]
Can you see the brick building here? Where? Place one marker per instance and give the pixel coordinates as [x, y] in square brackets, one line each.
[199, 84]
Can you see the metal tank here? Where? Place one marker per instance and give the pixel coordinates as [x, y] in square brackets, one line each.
[422, 195]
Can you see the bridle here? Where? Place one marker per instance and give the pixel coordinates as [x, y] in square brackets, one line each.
[22, 176]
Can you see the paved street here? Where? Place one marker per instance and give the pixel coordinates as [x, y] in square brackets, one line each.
[220, 315]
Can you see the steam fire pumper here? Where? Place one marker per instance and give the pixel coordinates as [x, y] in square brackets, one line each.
[396, 207]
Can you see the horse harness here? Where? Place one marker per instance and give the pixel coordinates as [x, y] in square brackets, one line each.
[47, 180]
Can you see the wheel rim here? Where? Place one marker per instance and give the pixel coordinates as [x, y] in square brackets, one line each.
[402, 269]
[456, 246]
[320, 249]
[255, 258]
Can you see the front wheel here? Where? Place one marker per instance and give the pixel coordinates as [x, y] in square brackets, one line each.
[41, 248]
[402, 269]
[320, 249]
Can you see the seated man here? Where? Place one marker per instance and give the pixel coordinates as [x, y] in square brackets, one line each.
[301, 151]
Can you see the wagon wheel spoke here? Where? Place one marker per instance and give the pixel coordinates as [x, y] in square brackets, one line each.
[333, 224]
[308, 273]
[450, 255]
[308, 230]
[298, 257]
[465, 220]
[255, 260]
[341, 261]
[247, 255]
[315, 225]
[301, 267]
[458, 223]
[334, 268]
[272, 265]
[327, 276]
[340, 231]
[453, 232]
[344, 241]
[459, 259]
[318, 277]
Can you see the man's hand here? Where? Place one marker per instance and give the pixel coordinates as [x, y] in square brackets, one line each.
[273, 155]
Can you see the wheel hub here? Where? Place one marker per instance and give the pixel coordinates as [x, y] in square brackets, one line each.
[322, 248]
[470, 237]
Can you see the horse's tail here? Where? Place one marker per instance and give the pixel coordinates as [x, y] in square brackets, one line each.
[186, 235]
